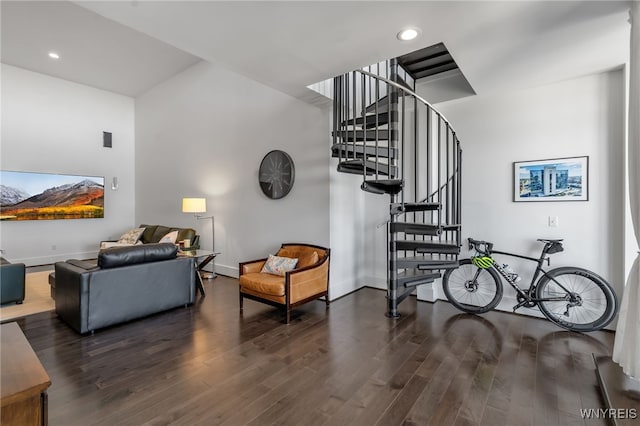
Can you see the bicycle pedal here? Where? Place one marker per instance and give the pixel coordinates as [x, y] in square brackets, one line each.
[518, 306]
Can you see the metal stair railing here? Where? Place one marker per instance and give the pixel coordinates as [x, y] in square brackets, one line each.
[412, 153]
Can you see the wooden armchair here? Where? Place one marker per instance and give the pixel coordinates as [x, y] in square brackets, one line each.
[309, 281]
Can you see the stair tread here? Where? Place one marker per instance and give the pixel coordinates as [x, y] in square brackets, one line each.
[429, 258]
[383, 104]
[436, 242]
[360, 150]
[427, 262]
[412, 277]
[425, 246]
[416, 228]
[452, 226]
[361, 135]
[383, 186]
[413, 273]
[370, 166]
[369, 120]
[414, 207]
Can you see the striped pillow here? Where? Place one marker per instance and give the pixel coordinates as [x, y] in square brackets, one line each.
[279, 265]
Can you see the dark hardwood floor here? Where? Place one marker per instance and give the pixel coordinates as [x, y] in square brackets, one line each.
[349, 365]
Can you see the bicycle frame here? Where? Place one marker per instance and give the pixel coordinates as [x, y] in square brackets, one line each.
[527, 294]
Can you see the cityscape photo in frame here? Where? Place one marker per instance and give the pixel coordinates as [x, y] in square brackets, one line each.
[557, 179]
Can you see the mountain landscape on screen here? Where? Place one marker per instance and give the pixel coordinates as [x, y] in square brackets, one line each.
[79, 199]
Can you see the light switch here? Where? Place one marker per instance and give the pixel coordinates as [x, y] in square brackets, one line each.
[553, 221]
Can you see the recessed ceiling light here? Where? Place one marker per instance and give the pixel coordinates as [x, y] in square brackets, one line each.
[54, 55]
[408, 34]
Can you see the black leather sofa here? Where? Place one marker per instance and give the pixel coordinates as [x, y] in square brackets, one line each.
[127, 283]
[11, 282]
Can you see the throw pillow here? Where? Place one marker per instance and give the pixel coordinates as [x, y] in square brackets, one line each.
[171, 237]
[132, 236]
[279, 265]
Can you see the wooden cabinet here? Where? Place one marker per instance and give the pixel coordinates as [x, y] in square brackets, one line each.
[24, 380]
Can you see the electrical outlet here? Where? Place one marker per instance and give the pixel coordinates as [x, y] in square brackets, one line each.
[553, 221]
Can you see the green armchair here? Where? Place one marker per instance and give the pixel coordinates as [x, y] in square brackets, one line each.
[11, 282]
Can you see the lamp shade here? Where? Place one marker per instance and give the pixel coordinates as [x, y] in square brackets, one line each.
[194, 205]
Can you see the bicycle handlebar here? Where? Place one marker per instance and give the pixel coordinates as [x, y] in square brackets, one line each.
[475, 244]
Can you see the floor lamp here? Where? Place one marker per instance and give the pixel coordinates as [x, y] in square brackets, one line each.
[197, 206]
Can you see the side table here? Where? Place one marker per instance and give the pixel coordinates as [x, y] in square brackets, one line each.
[208, 257]
[24, 380]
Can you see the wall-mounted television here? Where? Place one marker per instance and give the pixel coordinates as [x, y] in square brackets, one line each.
[45, 196]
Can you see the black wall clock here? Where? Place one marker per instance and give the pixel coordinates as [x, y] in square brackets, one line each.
[276, 174]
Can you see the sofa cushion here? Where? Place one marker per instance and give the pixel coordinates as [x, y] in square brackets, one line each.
[262, 282]
[149, 230]
[120, 256]
[160, 232]
[185, 234]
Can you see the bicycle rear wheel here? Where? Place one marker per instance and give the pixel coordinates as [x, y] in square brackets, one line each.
[590, 303]
[472, 289]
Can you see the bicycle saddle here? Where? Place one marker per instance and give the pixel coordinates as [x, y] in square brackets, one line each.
[542, 240]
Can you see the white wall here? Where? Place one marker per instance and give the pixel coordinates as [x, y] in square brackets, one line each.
[583, 116]
[54, 126]
[348, 232]
[203, 133]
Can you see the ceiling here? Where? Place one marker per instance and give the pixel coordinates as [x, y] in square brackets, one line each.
[93, 50]
[289, 45]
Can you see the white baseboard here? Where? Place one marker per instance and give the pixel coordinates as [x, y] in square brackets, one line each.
[229, 271]
[46, 260]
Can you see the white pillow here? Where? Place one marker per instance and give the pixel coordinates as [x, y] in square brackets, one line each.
[171, 237]
[132, 236]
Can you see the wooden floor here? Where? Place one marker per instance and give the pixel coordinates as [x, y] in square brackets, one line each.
[349, 365]
[37, 297]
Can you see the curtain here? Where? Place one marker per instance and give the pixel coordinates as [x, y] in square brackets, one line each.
[626, 349]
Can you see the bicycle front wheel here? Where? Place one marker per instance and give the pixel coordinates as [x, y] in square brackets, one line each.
[472, 289]
[576, 299]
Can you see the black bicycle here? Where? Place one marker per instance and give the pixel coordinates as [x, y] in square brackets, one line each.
[573, 298]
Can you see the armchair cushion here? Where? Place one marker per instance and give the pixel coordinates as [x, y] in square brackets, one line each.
[306, 256]
[263, 282]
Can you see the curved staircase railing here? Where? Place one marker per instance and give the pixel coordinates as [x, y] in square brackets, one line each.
[402, 146]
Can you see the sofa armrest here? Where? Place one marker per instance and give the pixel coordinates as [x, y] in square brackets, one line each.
[72, 288]
[309, 281]
[83, 264]
[251, 266]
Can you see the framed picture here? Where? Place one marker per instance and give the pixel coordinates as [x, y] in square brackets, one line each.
[557, 179]
[44, 196]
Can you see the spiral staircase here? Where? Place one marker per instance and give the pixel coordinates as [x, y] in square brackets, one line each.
[404, 148]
